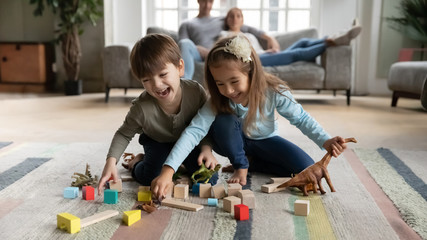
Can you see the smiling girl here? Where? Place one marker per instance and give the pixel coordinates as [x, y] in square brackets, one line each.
[159, 114]
[242, 121]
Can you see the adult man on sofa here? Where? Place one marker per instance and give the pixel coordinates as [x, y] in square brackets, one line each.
[198, 35]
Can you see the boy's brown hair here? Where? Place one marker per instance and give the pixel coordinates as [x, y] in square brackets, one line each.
[151, 54]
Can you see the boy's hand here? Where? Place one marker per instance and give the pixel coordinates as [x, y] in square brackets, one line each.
[162, 183]
[335, 145]
[207, 157]
[109, 171]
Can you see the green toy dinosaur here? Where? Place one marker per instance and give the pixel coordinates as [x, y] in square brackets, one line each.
[205, 174]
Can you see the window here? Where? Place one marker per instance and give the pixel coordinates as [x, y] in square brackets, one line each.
[268, 15]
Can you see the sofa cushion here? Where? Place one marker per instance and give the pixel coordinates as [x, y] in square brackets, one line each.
[300, 75]
[173, 34]
[407, 76]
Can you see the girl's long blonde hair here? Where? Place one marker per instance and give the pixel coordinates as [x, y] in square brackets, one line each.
[259, 82]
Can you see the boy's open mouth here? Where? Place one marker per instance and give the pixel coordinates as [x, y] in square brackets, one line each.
[164, 92]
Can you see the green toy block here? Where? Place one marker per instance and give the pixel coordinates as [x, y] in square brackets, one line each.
[111, 196]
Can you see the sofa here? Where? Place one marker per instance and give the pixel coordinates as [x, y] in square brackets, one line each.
[409, 80]
[116, 69]
[332, 71]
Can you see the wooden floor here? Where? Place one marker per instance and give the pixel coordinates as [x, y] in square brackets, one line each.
[58, 118]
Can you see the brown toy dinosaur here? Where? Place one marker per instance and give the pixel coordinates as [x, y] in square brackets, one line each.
[310, 177]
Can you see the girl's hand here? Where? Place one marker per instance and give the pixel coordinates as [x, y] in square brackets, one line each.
[207, 157]
[161, 185]
[109, 171]
[335, 145]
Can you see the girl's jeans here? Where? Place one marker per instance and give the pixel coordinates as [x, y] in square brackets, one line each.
[273, 155]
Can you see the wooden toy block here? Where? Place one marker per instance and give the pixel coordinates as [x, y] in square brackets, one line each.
[144, 188]
[68, 222]
[233, 188]
[144, 196]
[205, 190]
[302, 207]
[131, 217]
[229, 202]
[117, 186]
[248, 198]
[181, 191]
[88, 193]
[212, 202]
[195, 188]
[279, 180]
[273, 187]
[71, 192]
[111, 196]
[98, 217]
[169, 202]
[218, 191]
[183, 179]
[126, 177]
[73, 224]
[241, 212]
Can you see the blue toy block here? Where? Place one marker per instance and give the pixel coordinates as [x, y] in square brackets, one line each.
[71, 192]
[196, 188]
[111, 196]
[212, 202]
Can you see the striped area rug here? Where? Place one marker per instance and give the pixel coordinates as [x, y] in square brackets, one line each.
[402, 175]
[32, 197]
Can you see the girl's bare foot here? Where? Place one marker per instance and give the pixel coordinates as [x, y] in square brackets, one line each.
[132, 160]
[239, 176]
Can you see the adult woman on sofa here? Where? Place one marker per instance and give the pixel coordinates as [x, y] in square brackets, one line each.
[304, 49]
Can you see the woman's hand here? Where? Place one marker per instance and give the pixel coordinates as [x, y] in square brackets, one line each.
[272, 44]
[203, 51]
[335, 145]
[207, 157]
[109, 171]
[161, 185]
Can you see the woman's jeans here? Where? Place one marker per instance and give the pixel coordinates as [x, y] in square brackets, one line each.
[155, 156]
[190, 54]
[273, 155]
[305, 49]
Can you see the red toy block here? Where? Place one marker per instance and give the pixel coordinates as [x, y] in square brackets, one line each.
[241, 212]
[88, 193]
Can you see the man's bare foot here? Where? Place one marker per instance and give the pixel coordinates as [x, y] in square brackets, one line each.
[239, 176]
[132, 160]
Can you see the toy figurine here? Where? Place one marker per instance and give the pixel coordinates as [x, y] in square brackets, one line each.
[148, 207]
[84, 179]
[204, 174]
[313, 175]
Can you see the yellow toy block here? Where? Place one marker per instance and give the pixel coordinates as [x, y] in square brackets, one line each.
[68, 222]
[144, 196]
[131, 217]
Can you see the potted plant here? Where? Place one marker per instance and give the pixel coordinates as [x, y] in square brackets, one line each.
[413, 20]
[72, 14]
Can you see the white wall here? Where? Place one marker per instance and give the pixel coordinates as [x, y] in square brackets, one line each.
[125, 22]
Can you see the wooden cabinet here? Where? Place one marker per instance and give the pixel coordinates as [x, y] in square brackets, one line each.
[23, 64]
